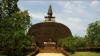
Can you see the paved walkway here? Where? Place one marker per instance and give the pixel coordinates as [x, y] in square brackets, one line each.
[50, 54]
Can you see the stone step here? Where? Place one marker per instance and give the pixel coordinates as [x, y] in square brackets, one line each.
[49, 50]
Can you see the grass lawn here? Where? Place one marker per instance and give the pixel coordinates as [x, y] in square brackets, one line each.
[85, 54]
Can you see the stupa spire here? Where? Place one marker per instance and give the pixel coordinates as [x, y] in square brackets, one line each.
[50, 11]
[49, 17]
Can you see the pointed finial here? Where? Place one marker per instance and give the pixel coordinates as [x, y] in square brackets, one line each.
[49, 17]
[50, 11]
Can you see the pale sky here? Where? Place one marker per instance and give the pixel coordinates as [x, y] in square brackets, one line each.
[76, 15]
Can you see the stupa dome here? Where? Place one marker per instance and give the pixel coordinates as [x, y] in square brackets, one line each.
[49, 29]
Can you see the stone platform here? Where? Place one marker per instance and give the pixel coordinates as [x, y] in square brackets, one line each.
[49, 50]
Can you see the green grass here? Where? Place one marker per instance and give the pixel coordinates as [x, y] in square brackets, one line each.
[85, 54]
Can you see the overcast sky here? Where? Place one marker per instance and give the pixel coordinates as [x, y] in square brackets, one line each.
[74, 14]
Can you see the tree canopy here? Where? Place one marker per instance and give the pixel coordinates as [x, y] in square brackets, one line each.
[9, 7]
[93, 33]
[13, 24]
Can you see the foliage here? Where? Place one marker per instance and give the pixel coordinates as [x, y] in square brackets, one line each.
[13, 25]
[92, 39]
[0, 8]
[12, 33]
[80, 41]
[69, 43]
[93, 34]
[9, 7]
[73, 43]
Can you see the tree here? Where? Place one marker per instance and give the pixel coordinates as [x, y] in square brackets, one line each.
[13, 31]
[80, 41]
[93, 34]
[0, 9]
[9, 7]
[68, 43]
[13, 25]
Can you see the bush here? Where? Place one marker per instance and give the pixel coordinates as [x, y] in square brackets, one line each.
[68, 43]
